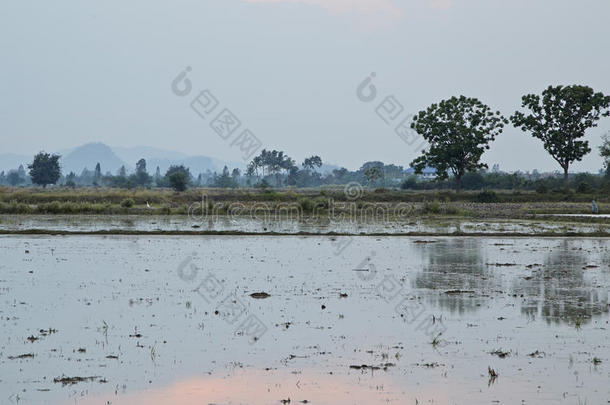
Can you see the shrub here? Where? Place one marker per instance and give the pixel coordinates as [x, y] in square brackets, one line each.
[542, 189]
[53, 207]
[322, 202]
[432, 208]
[307, 204]
[410, 183]
[127, 203]
[584, 188]
[487, 196]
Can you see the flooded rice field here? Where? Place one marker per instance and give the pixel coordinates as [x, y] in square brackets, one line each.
[303, 319]
[262, 224]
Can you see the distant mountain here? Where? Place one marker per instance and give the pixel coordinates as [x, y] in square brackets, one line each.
[88, 156]
[112, 158]
[133, 154]
[166, 158]
[196, 164]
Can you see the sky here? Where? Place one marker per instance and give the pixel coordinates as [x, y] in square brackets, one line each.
[290, 71]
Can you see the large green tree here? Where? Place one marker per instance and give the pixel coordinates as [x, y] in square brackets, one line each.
[560, 118]
[273, 161]
[373, 173]
[178, 177]
[312, 162]
[13, 178]
[141, 176]
[45, 169]
[458, 131]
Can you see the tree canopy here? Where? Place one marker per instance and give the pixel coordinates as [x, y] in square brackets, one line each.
[560, 118]
[141, 176]
[273, 162]
[458, 131]
[45, 169]
[312, 162]
[178, 177]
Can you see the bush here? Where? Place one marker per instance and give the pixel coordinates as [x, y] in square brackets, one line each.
[542, 189]
[127, 203]
[432, 208]
[584, 188]
[487, 196]
[307, 205]
[51, 208]
[410, 183]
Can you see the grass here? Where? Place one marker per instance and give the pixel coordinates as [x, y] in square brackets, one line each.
[488, 204]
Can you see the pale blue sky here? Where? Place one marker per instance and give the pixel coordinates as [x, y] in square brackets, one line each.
[75, 72]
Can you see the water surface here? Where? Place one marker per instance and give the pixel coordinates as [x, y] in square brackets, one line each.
[348, 320]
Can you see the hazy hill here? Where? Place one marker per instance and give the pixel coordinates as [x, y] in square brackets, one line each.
[88, 156]
[112, 158]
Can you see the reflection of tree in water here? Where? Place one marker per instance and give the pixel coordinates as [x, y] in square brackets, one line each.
[454, 264]
[559, 290]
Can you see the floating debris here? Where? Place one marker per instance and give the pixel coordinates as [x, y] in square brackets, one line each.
[75, 380]
[492, 376]
[459, 292]
[260, 295]
[21, 356]
[368, 367]
[501, 354]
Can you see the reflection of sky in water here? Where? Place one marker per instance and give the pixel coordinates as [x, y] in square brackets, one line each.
[77, 284]
[263, 388]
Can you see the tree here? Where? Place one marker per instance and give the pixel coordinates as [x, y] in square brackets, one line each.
[13, 178]
[274, 161]
[373, 174]
[157, 176]
[561, 118]
[312, 162]
[70, 180]
[458, 131]
[141, 176]
[225, 180]
[97, 176]
[21, 172]
[235, 174]
[45, 169]
[178, 177]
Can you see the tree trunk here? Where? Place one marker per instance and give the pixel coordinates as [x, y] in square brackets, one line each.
[458, 183]
[565, 176]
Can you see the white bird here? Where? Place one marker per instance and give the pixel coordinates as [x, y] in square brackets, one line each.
[147, 204]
